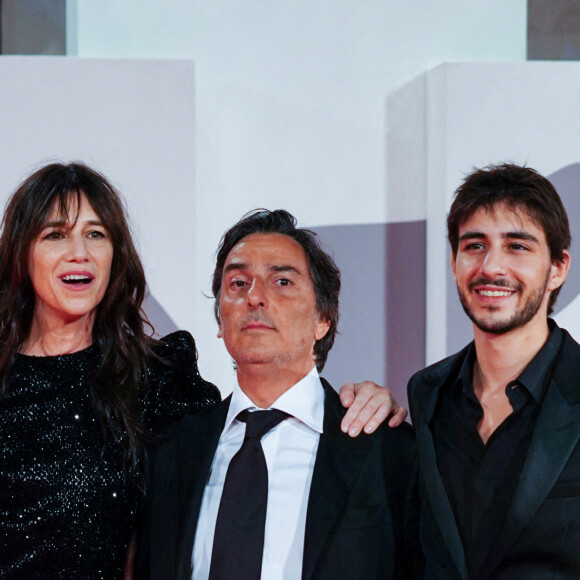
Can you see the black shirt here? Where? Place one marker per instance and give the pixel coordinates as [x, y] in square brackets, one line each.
[481, 478]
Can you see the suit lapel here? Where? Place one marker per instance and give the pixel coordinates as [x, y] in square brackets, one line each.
[556, 434]
[431, 477]
[339, 460]
[196, 455]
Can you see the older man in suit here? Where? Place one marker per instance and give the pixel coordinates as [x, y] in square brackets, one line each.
[266, 485]
[498, 424]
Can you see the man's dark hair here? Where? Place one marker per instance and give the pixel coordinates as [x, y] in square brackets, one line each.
[323, 271]
[520, 188]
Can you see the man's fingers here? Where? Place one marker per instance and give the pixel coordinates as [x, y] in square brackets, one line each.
[354, 410]
[369, 405]
[347, 394]
[369, 398]
[399, 417]
[376, 419]
[369, 418]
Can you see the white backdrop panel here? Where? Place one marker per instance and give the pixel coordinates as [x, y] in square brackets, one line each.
[131, 120]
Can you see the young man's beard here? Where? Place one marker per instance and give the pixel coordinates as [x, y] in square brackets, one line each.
[518, 319]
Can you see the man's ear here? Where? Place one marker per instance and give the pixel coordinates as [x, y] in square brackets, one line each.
[321, 329]
[453, 265]
[559, 271]
[218, 315]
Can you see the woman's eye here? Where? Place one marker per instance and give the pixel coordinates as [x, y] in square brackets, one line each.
[284, 282]
[96, 235]
[54, 236]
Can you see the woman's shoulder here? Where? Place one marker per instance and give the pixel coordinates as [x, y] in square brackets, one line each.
[174, 385]
[175, 345]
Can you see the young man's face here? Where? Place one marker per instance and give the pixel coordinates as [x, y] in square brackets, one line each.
[268, 312]
[503, 270]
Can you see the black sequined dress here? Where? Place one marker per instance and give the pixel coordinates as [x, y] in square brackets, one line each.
[66, 507]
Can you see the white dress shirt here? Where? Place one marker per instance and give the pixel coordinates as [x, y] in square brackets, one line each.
[290, 452]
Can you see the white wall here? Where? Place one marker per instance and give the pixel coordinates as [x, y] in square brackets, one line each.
[115, 116]
[290, 99]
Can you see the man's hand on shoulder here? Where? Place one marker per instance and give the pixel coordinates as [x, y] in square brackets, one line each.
[368, 406]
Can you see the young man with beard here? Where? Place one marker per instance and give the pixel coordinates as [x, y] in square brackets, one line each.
[498, 424]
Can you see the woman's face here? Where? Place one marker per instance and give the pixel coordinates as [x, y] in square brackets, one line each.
[70, 265]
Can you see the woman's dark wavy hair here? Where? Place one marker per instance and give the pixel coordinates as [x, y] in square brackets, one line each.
[323, 271]
[119, 325]
[518, 187]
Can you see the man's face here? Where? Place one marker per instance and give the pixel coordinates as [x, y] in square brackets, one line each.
[503, 270]
[267, 305]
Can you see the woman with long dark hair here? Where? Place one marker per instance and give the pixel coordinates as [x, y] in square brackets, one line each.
[81, 383]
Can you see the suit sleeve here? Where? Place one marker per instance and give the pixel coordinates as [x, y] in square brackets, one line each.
[399, 463]
[413, 550]
[156, 519]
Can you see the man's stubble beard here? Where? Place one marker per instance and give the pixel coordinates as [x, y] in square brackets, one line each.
[518, 319]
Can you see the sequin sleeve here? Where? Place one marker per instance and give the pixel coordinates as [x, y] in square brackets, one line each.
[175, 386]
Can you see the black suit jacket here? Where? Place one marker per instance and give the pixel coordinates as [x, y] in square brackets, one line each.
[541, 535]
[355, 526]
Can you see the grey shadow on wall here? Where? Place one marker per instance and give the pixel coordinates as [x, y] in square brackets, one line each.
[382, 306]
[161, 321]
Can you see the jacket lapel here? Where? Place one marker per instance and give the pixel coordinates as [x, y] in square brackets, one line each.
[196, 456]
[432, 482]
[556, 434]
[339, 460]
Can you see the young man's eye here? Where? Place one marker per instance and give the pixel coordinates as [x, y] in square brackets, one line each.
[473, 246]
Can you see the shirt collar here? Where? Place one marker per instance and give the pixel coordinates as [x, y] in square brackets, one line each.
[466, 371]
[304, 401]
[535, 376]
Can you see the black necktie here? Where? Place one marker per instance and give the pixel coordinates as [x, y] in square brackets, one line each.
[238, 542]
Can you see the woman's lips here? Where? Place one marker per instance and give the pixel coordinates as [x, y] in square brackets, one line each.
[77, 280]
